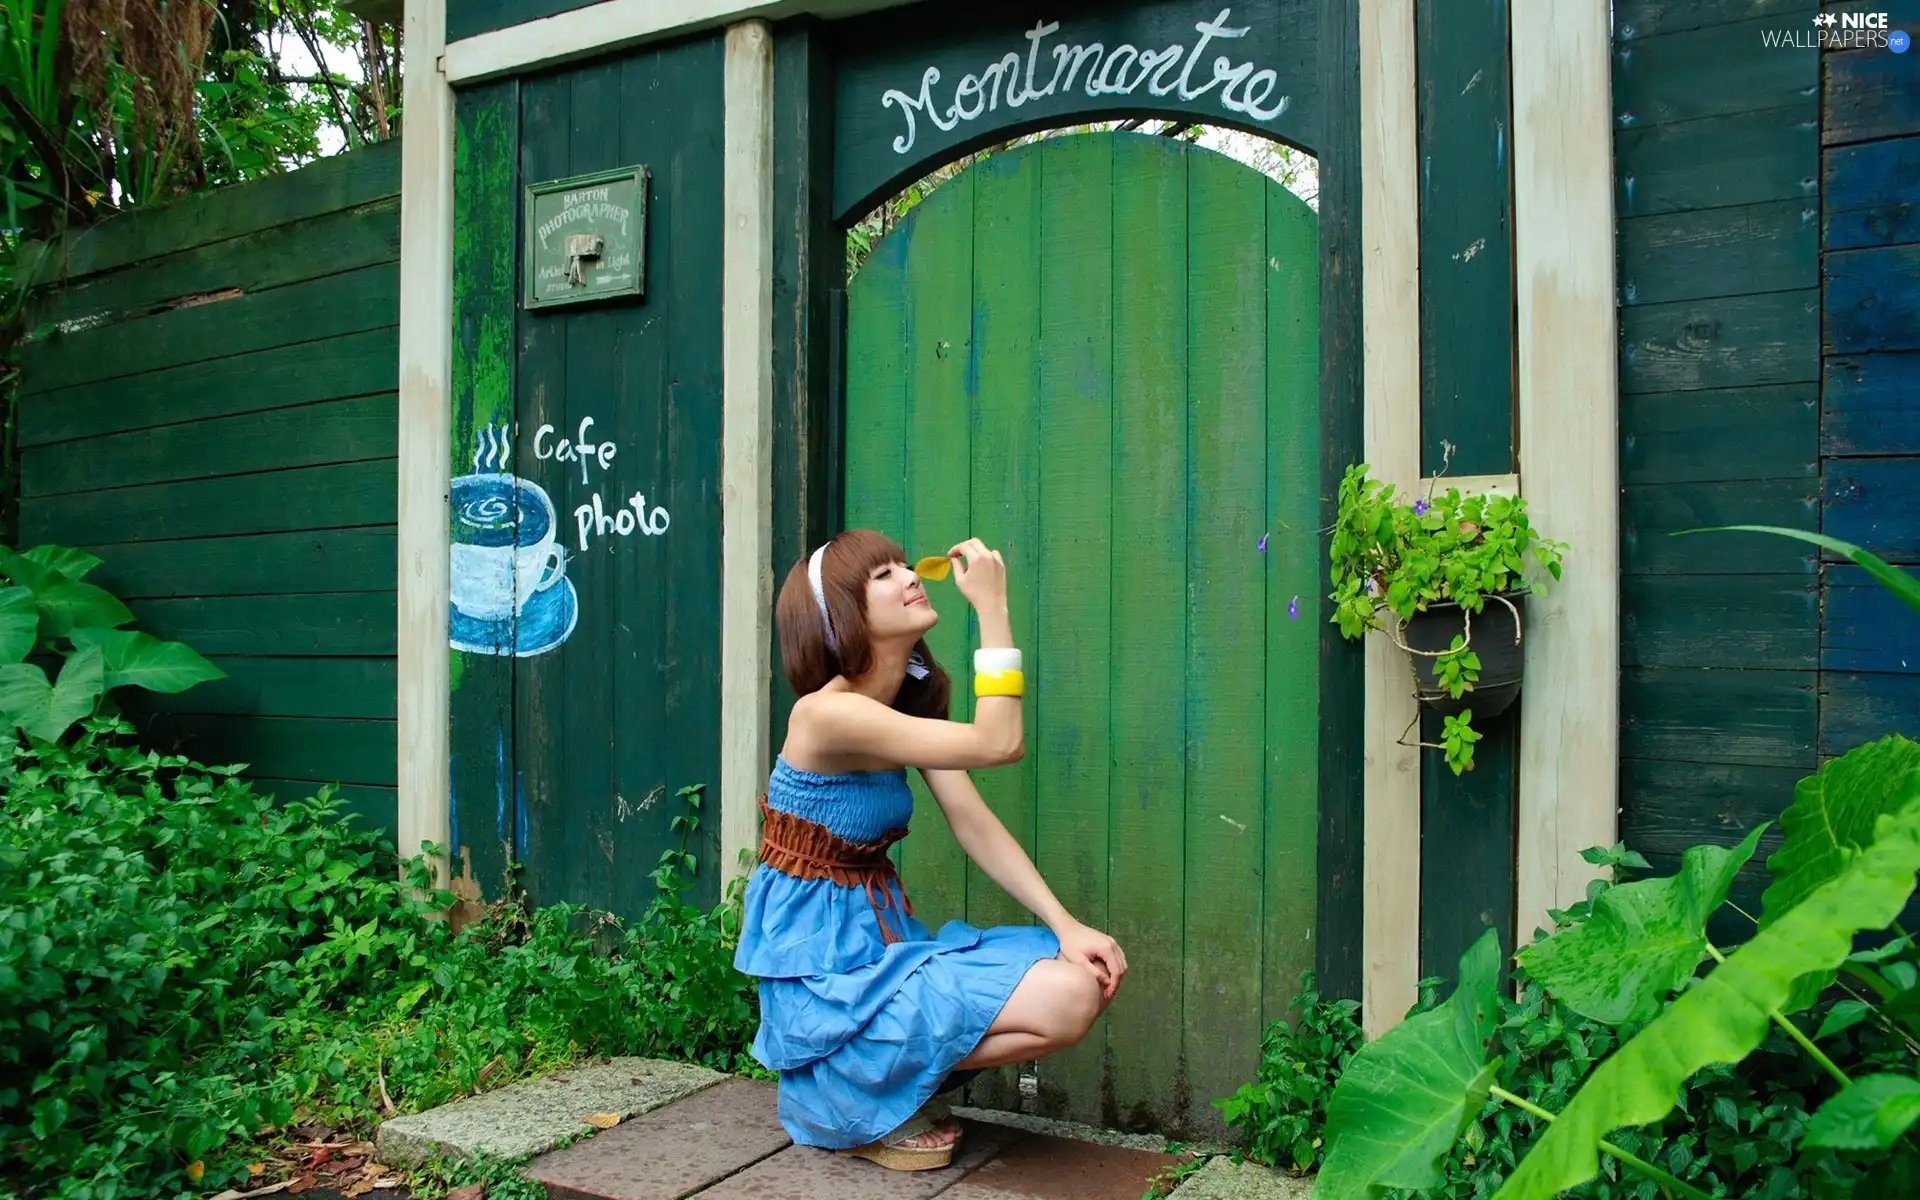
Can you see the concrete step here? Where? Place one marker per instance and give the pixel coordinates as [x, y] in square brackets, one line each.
[1224, 1179]
[533, 1117]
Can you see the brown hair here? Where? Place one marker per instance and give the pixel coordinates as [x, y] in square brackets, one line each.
[848, 563]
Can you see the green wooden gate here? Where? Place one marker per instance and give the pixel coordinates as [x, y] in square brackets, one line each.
[1099, 353]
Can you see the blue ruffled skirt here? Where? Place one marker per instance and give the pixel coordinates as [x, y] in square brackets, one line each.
[863, 1033]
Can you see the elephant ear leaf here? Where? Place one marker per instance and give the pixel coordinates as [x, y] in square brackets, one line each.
[74, 564]
[141, 660]
[46, 711]
[19, 623]
[1868, 1114]
[1404, 1098]
[1829, 823]
[1725, 1016]
[1643, 941]
[65, 604]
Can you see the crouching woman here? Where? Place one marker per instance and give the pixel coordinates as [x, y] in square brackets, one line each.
[865, 1015]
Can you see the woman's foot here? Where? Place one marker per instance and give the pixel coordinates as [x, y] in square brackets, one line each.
[944, 1134]
[925, 1141]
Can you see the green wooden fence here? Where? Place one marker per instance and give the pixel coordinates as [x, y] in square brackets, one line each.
[1099, 354]
[213, 414]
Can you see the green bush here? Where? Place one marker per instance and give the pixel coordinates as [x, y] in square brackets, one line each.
[1282, 1115]
[1737, 1131]
[1632, 959]
[184, 964]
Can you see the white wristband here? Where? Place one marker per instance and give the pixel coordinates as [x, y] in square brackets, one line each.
[989, 660]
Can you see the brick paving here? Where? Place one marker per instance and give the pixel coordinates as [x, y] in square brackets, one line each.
[724, 1143]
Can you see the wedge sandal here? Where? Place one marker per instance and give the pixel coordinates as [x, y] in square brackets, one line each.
[891, 1152]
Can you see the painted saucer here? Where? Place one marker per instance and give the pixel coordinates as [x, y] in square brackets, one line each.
[546, 621]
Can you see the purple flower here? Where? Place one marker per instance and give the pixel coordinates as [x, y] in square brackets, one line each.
[1262, 547]
[1293, 609]
[1420, 508]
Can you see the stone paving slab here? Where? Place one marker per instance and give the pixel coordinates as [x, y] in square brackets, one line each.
[803, 1173]
[1224, 1179]
[670, 1153]
[530, 1118]
[1047, 1168]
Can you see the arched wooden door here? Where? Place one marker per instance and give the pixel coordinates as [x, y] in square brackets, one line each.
[1099, 353]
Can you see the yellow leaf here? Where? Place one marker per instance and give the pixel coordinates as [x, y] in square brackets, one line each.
[256, 1169]
[196, 1169]
[602, 1120]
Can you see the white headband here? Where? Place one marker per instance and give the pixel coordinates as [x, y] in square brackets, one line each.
[916, 666]
[820, 595]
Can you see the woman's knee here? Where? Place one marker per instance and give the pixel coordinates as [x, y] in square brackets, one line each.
[1078, 1003]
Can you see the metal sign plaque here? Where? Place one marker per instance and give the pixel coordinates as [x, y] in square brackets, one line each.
[586, 238]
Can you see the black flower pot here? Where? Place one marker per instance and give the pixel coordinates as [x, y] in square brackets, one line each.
[1494, 635]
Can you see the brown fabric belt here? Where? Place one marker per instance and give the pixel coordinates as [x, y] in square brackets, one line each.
[807, 850]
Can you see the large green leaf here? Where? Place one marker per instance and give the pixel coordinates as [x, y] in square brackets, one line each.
[1832, 818]
[46, 711]
[65, 604]
[1723, 1018]
[1899, 582]
[1643, 940]
[1868, 1114]
[1404, 1098]
[19, 624]
[74, 564]
[142, 660]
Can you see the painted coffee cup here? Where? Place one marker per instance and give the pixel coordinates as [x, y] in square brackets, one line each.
[503, 549]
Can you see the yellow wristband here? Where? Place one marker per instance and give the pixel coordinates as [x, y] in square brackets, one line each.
[1000, 683]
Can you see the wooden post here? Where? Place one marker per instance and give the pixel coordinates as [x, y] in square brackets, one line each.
[746, 463]
[1569, 404]
[1390, 230]
[425, 430]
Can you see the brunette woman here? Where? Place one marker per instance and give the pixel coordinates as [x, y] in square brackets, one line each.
[865, 1014]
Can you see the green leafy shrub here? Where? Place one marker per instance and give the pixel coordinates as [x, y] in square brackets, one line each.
[1631, 960]
[184, 963]
[49, 610]
[1282, 1114]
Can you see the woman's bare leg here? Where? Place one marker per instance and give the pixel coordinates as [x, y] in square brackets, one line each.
[1051, 1009]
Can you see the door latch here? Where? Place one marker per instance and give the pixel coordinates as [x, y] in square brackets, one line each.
[581, 247]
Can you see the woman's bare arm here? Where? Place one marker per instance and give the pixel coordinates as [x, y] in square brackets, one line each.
[987, 842]
[850, 725]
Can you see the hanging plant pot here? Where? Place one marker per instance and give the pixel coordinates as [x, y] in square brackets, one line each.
[1493, 634]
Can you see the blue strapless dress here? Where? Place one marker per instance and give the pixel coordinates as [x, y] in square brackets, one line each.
[862, 1032]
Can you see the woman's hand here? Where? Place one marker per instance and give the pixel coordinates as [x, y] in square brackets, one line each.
[980, 574]
[1097, 952]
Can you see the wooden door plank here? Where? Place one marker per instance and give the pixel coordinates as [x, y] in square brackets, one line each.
[551, 842]
[481, 807]
[935, 487]
[680, 342]
[1294, 583]
[1147, 826]
[1007, 486]
[1073, 581]
[579, 685]
[1225, 670]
